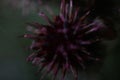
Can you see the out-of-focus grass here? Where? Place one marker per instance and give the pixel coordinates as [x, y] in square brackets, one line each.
[12, 48]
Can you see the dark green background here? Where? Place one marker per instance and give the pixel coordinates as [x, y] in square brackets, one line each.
[13, 52]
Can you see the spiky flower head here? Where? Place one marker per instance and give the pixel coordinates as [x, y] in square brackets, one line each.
[66, 43]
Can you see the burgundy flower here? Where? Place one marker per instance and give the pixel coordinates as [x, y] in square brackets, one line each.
[66, 43]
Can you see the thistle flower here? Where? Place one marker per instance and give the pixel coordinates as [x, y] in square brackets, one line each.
[66, 43]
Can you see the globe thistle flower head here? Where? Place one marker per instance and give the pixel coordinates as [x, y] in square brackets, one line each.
[65, 43]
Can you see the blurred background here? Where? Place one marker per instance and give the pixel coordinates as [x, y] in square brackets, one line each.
[14, 14]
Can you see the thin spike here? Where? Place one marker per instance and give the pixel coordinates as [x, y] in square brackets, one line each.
[92, 58]
[84, 16]
[62, 11]
[37, 45]
[35, 24]
[41, 67]
[82, 65]
[90, 41]
[43, 75]
[66, 12]
[80, 61]
[56, 70]
[92, 30]
[80, 21]
[75, 14]
[65, 66]
[30, 36]
[88, 26]
[36, 61]
[81, 42]
[66, 58]
[64, 69]
[76, 28]
[46, 18]
[62, 7]
[78, 57]
[85, 51]
[41, 30]
[62, 17]
[96, 25]
[31, 57]
[52, 64]
[75, 72]
[70, 9]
